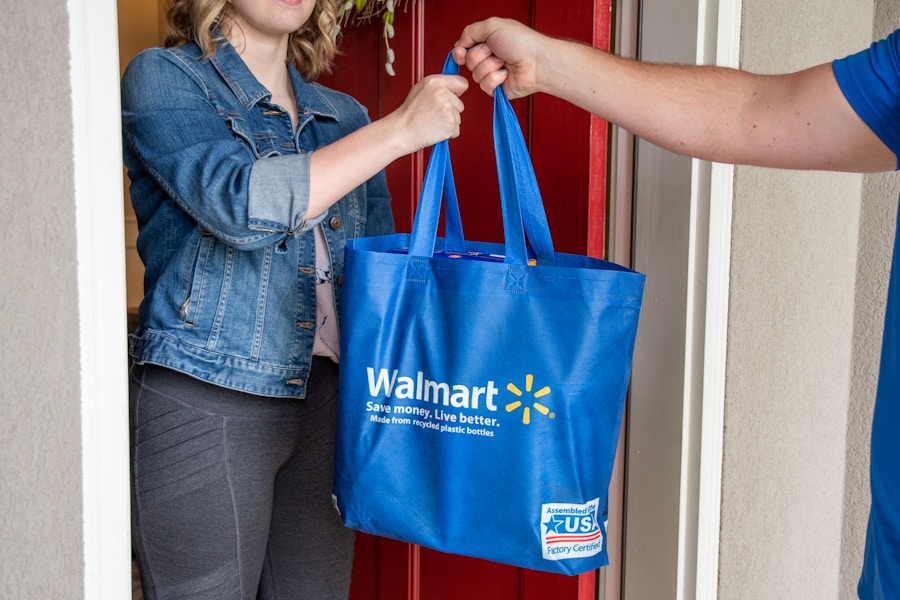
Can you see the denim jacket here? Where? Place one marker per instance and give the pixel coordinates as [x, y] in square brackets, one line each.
[220, 184]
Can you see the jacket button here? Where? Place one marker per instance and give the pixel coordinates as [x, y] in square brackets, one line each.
[336, 223]
[340, 279]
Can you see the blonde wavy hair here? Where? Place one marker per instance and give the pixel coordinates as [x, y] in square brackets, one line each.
[311, 48]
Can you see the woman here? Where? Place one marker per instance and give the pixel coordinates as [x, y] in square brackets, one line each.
[247, 178]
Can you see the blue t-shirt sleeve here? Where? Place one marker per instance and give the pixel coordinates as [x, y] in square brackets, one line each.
[870, 81]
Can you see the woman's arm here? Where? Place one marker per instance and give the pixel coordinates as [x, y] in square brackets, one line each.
[180, 140]
[430, 114]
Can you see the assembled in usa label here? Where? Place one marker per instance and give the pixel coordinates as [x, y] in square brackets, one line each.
[571, 530]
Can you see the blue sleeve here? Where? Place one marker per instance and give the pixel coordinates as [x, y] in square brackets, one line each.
[870, 80]
[178, 137]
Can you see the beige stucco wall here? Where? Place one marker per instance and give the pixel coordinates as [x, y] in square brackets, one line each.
[877, 229]
[810, 253]
[41, 536]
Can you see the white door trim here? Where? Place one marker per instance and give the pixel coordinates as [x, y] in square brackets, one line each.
[698, 566]
[727, 54]
[93, 48]
[684, 206]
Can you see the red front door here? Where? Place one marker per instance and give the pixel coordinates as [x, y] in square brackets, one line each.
[568, 149]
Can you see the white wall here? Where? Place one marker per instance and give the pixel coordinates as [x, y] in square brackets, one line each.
[63, 433]
[40, 424]
[876, 232]
[809, 266]
[809, 259]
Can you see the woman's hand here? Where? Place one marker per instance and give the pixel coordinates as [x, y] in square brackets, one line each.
[430, 113]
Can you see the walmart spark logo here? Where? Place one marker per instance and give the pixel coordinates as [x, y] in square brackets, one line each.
[526, 411]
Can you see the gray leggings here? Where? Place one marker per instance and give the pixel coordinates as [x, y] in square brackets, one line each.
[231, 492]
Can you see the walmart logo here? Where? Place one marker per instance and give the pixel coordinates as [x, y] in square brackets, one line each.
[526, 411]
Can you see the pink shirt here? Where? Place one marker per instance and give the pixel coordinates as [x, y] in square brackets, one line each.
[327, 342]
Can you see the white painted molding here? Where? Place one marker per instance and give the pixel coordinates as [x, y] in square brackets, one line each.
[93, 47]
[719, 23]
[721, 193]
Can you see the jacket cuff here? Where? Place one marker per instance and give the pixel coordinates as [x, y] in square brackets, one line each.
[278, 194]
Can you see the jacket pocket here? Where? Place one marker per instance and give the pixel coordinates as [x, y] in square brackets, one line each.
[190, 308]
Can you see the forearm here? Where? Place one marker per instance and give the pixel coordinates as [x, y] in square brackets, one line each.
[430, 113]
[670, 105]
[800, 120]
[340, 167]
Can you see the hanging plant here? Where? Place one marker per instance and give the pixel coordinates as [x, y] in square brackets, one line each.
[364, 11]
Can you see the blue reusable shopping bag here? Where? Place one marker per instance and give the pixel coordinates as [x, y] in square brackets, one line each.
[482, 385]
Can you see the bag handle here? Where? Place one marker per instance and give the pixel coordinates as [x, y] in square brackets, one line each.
[520, 197]
[438, 179]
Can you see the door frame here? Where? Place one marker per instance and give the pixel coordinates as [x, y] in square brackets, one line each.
[93, 49]
[677, 410]
[98, 202]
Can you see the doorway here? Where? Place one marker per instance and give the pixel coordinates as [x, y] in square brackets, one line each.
[690, 489]
[564, 163]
